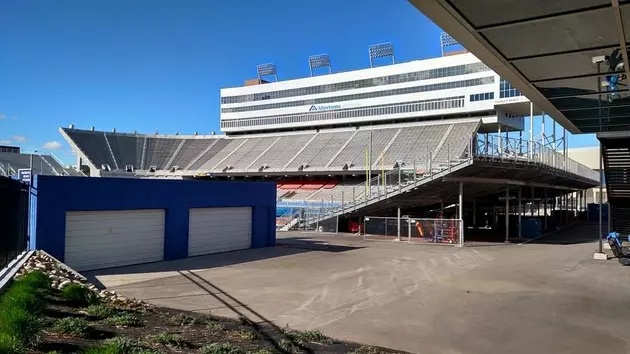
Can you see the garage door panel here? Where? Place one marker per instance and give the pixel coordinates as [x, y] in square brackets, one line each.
[214, 230]
[137, 230]
[103, 239]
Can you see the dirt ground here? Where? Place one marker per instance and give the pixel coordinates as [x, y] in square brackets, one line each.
[194, 330]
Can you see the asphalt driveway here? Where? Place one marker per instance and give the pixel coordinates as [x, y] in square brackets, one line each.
[547, 296]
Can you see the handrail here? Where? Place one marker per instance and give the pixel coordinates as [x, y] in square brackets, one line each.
[395, 180]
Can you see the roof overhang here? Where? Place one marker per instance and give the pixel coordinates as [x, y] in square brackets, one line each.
[545, 49]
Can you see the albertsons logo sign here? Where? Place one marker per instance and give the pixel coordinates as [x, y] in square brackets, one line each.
[324, 107]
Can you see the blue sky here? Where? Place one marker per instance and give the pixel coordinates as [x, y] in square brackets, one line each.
[150, 65]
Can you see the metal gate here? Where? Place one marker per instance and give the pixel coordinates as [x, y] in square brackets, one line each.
[13, 219]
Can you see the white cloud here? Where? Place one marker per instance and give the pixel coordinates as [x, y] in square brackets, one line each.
[52, 145]
[2, 116]
[5, 142]
[19, 138]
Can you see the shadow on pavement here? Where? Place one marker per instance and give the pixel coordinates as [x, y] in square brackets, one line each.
[283, 248]
[266, 328]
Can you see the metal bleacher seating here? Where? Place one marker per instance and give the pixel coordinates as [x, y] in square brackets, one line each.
[327, 150]
[353, 155]
[159, 151]
[320, 150]
[93, 144]
[127, 149]
[281, 152]
[189, 150]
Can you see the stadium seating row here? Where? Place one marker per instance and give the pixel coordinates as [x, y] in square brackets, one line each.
[326, 150]
[10, 163]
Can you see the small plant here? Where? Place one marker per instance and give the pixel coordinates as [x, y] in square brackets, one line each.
[10, 345]
[260, 351]
[367, 350]
[215, 326]
[309, 337]
[78, 327]
[220, 348]
[169, 339]
[124, 320]
[182, 319]
[36, 280]
[100, 310]
[242, 335]
[119, 345]
[20, 324]
[287, 346]
[79, 294]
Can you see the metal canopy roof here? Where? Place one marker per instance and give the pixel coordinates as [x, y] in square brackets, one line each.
[545, 49]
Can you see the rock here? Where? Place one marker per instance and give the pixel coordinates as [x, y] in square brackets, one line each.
[64, 283]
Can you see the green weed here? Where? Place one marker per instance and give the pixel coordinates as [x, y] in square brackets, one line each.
[220, 348]
[124, 320]
[100, 310]
[79, 294]
[78, 327]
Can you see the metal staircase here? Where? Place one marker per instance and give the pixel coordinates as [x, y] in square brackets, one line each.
[616, 157]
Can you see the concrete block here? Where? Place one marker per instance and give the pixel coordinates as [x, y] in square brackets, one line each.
[600, 256]
[606, 245]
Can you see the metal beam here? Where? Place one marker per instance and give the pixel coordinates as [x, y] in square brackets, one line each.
[505, 181]
[574, 77]
[448, 18]
[538, 19]
[622, 36]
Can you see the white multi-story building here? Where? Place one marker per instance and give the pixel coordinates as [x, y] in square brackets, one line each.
[445, 87]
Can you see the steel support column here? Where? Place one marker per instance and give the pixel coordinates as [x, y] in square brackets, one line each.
[601, 207]
[474, 218]
[398, 227]
[520, 213]
[532, 205]
[461, 213]
[545, 209]
[507, 213]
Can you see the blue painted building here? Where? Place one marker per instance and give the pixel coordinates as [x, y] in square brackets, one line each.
[93, 223]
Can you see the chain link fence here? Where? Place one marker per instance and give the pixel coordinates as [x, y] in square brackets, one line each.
[413, 230]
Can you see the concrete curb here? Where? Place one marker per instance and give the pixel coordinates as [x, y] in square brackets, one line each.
[7, 274]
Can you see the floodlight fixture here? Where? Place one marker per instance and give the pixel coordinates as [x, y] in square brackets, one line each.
[382, 50]
[446, 40]
[319, 61]
[266, 70]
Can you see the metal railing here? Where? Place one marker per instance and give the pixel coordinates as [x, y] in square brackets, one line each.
[428, 167]
[520, 150]
[391, 182]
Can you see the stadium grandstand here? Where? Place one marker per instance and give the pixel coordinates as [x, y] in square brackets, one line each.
[12, 160]
[377, 141]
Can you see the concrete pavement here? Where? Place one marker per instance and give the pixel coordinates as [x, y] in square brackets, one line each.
[546, 297]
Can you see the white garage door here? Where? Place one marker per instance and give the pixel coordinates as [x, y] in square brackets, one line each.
[214, 230]
[105, 239]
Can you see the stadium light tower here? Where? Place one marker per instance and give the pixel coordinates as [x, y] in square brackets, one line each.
[447, 41]
[383, 50]
[319, 61]
[265, 70]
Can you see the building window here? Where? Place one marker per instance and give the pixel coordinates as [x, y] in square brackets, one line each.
[506, 90]
[350, 85]
[425, 105]
[482, 96]
[361, 96]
